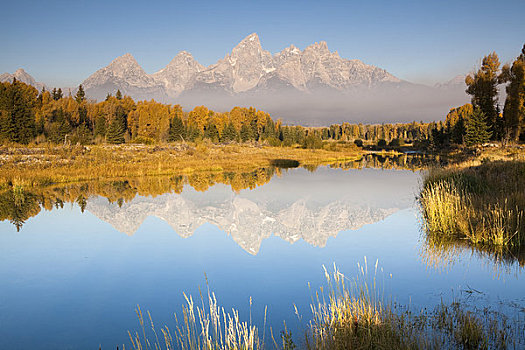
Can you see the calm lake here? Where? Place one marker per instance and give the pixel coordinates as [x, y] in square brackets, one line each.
[72, 274]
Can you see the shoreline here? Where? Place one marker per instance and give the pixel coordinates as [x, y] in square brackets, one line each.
[34, 166]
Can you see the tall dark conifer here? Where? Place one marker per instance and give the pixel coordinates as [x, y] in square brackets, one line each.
[477, 130]
[115, 132]
[177, 130]
[17, 117]
[229, 133]
[483, 87]
[80, 95]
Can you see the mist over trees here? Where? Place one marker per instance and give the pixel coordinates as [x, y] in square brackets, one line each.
[29, 116]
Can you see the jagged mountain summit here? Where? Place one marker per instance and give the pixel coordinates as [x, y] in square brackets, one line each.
[178, 74]
[24, 77]
[248, 68]
[314, 86]
[126, 74]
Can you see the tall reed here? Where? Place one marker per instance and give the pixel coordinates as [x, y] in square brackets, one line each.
[484, 205]
[347, 314]
[207, 326]
[354, 315]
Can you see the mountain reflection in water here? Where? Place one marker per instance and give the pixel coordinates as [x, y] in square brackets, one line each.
[18, 203]
[299, 206]
[71, 277]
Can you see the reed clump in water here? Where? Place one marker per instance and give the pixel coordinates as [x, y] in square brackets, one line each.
[483, 205]
[207, 326]
[354, 315]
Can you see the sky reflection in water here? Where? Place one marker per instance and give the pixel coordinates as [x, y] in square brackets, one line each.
[72, 279]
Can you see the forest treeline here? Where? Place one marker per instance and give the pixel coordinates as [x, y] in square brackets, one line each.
[482, 120]
[29, 116]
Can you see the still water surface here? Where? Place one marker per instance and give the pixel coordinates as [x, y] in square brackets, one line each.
[71, 279]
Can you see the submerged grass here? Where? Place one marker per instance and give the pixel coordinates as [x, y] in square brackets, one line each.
[482, 205]
[346, 314]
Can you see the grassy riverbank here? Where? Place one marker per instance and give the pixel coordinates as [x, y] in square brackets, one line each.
[483, 205]
[44, 165]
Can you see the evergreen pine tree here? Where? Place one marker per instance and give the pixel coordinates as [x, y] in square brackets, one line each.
[477, 130]
[229, 133]
[100, 126]
[269, 130]
[58, 127]
[483, 87]
[7, 126]
[193, 133]
[211, 132]
[81, 94]
[458, 131]
[115, 131]
[177, 130]
[17, 118]
[118, 95]
[246, 133]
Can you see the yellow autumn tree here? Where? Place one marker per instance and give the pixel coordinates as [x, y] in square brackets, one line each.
[199, 117]
[150, 119]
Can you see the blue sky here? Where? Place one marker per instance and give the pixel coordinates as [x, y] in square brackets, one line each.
[62, 42]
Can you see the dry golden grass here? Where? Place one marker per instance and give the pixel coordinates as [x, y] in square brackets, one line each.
[205, 327]
[354, 315]
[40, 166]
[482, 205]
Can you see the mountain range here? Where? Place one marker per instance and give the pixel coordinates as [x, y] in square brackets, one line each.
[310, 86]
[247, 69]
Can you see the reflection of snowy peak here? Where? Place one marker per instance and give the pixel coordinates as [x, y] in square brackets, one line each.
[246, 221]
[252, 216]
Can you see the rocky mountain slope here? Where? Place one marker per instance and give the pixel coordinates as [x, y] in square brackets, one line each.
[314, 86]
[126, 74]
[23, 76]
[248, 68]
